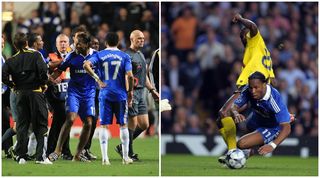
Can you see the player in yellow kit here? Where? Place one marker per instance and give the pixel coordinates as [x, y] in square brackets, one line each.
[256, 58]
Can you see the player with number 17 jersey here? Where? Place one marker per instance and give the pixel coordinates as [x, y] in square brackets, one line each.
[113, 65]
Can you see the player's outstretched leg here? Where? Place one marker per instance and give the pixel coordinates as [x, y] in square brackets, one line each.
[227, 126]
[64, 132]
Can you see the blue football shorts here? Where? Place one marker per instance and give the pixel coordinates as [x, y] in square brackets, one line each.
[268, 133]
[110, 108]
[84, 106]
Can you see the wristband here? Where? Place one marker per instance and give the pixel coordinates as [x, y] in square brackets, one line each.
[274, 146]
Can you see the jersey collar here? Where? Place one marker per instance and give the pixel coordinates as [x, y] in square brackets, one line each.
[113, 48]
[268, 93]
[91, 50]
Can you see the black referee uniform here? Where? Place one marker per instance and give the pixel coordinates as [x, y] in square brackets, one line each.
[29, 75]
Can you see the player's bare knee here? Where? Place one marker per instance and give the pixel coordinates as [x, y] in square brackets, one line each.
[89, 124]
[69, 122]
[144, 126]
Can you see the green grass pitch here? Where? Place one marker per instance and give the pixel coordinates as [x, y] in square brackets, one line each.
[147, 148]
[186, 165]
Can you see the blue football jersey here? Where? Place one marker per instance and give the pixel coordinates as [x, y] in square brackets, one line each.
[113, 65]
[270, 111]
[81, 83]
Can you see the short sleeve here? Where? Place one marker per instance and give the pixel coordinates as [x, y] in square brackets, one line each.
[242, 99]
[128, 65]
[281, 111]
[94, 59]
[65, 63]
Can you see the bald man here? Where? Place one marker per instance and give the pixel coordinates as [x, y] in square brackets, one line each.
[56, 94]
[138, 113]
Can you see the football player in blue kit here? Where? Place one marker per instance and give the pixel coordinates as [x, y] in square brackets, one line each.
[270, 121]
[115, 77]
[80, 96]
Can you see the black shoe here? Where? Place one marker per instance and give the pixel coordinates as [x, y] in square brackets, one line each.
[12, 153]
[134, 157]
[118, 149]
[83, 154]
[8, 155]
[222, 160]
[90, 155]
[67, 156]
[53, 156]
[30, 158]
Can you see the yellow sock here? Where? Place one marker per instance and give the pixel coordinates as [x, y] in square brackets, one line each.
[230, 132]
[223, 134]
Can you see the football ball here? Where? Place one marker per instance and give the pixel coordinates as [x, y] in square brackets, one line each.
[235, 159]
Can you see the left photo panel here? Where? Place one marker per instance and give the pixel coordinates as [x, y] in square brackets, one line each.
[80, 84]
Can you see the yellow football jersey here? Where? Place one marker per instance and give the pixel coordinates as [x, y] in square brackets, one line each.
[256, 58]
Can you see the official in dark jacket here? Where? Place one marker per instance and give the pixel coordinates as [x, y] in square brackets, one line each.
[29, 76]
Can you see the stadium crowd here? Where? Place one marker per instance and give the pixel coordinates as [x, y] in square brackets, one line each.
[52, 18]
[52, 22]
[201, 59]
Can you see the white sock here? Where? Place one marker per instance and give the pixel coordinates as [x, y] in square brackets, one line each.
[103, 138]
[15, 145]
[45, 146]
[124, 137]
[32, 144]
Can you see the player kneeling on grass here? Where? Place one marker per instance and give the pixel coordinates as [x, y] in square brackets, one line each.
[116, 72]
[270, 121]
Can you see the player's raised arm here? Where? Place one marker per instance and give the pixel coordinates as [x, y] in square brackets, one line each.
[247, 23]
[88, 67]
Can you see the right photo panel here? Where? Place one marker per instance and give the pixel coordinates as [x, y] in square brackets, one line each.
[239, 88]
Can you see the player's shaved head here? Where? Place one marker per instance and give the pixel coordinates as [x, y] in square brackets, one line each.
[136, 39]
[135, 33]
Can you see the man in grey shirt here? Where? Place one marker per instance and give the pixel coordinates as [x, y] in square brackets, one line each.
[138, 113]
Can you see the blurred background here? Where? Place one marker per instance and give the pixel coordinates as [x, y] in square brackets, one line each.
[201, 59]
[51, 18]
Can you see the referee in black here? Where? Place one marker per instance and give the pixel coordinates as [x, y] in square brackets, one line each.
[29, 76]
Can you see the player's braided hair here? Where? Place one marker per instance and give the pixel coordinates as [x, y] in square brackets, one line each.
[259, 76]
